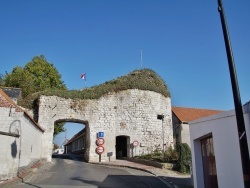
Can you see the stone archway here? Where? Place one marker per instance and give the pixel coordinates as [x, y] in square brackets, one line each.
[130, 112]
[87, 134]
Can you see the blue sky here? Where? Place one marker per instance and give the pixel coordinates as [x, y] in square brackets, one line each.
[180, 40]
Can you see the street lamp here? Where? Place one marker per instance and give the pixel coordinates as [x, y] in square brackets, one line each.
[161, 117]
[244, 151]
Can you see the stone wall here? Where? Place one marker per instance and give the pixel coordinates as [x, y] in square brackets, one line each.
[20, 142]
[132, 113]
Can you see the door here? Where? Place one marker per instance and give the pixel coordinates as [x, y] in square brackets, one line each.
[121, 147]
[209, 165]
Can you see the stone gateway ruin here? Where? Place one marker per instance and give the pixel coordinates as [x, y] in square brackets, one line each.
[128, 119]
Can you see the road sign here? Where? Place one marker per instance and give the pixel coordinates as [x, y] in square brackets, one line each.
[100, 141]
[100, 150]
[135, 143]
[100, 134]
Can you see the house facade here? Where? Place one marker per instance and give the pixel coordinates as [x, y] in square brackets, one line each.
[76, 145]
[20, 139]
[216, 159]
[181, 116]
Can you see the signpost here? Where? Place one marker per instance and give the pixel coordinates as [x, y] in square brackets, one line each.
[100, 142]
[135, 143]
[100, 150]
[100, 135]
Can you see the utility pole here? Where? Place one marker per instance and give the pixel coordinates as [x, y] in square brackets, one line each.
[237, 101]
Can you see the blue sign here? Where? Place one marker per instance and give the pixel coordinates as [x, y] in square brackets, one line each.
[100, 134]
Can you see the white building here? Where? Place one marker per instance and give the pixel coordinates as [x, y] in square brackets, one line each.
[20, 139]
[216, 158]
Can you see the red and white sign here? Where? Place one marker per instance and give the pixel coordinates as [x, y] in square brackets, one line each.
[100, 150]
[135, 143]
[100, 141]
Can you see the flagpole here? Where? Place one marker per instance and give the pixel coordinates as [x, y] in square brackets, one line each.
[141, 56]
[83, 76]
[244, 151]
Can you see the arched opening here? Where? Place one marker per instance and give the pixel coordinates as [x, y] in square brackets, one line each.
[75, 139]
[122, 147]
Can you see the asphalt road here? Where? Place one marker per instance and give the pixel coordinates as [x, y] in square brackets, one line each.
[69, 171]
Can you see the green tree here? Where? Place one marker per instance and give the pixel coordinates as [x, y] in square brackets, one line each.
[55, 146]
[58, 128]
[37, 75]
[1, 80]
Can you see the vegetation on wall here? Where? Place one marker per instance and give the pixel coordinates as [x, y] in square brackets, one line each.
[181, 156]
[144, 79]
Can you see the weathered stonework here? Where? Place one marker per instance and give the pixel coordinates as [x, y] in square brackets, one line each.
[132, 113]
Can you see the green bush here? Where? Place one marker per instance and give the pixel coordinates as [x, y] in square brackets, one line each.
[184, 157]
[171, 155]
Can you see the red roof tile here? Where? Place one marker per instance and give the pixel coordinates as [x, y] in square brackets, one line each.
[6, 102]
[190, 114]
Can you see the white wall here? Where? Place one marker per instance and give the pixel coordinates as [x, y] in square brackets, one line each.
[16, 151]
[185, 134]
[224, 131]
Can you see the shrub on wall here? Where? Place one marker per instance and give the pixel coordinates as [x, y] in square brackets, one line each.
[144, 79]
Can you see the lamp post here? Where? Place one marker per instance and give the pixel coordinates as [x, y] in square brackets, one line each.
[237, 101]
[162, 119]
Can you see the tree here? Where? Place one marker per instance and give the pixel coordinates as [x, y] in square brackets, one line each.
[37, 75]
[55, 146]
[58, 128]
[1, 80]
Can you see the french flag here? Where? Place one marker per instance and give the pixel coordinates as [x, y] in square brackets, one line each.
[83, 76]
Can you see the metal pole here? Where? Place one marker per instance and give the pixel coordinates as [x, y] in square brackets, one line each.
[162, 119]
[163, 137]
[237, 101]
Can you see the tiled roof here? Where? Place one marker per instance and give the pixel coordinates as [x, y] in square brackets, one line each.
[6, 102]
[190, 114]
[12, 92]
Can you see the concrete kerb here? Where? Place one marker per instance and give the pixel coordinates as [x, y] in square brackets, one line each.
[22, 177]
[137, 168]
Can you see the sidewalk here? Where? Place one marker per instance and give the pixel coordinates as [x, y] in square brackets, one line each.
[175, 179]
[25, 174]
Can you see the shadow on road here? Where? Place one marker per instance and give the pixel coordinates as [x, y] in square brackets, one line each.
[123, 181]
[179, 181]
[69, 156]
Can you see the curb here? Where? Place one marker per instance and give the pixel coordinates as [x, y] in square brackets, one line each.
[22, 177]
[137, 168]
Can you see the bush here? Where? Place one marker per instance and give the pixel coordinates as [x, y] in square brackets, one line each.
[171, 155]
[184, 157]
